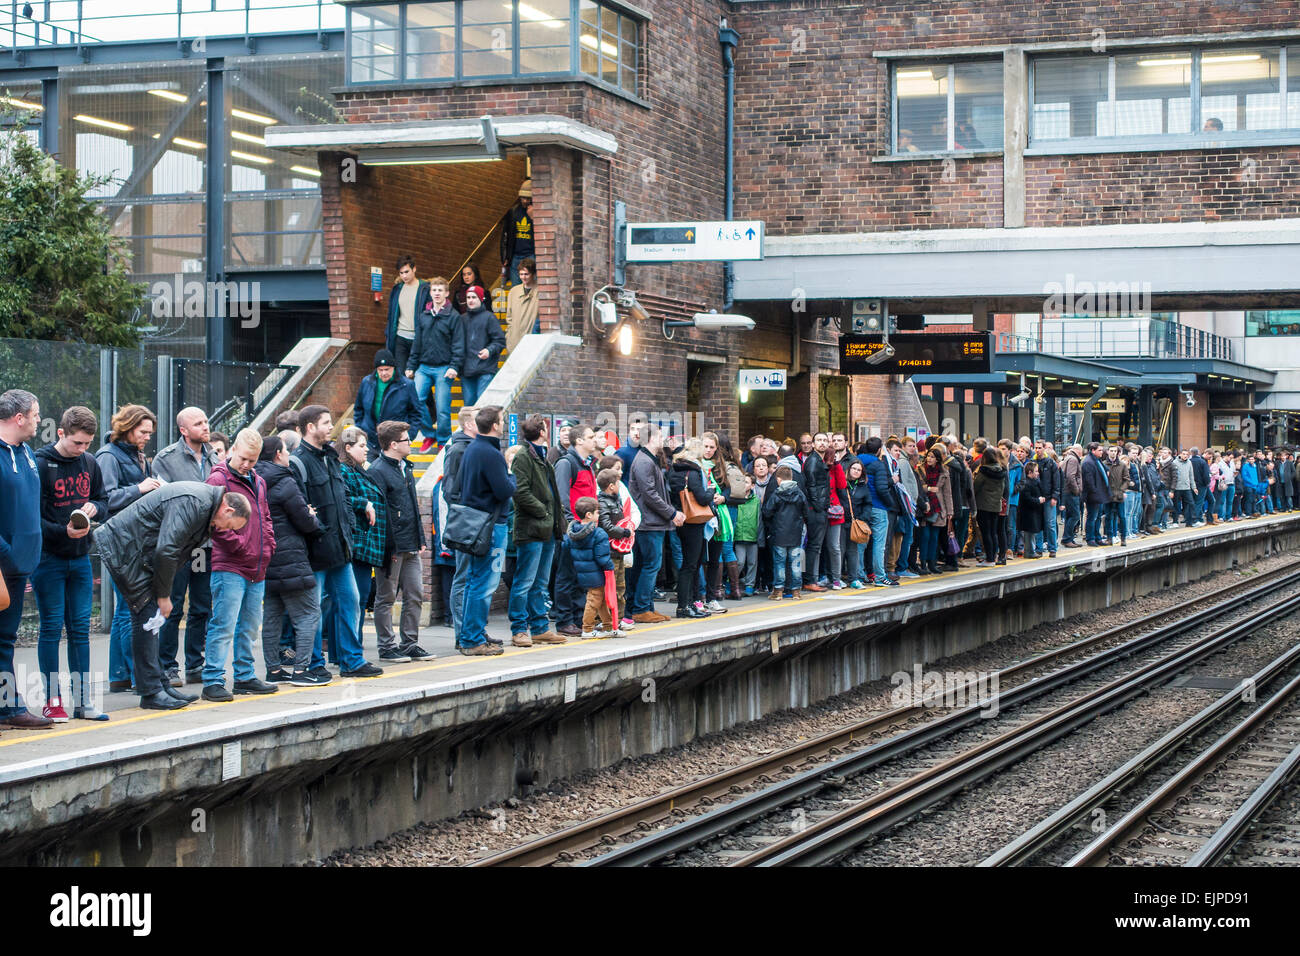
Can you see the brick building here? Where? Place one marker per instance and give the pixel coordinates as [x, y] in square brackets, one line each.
[953, 161]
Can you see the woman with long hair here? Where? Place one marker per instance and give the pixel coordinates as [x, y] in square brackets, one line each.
[937, 486]
[719, 471]
[990, 482]
[370, 509]
[468, 278]
[686, 478]
[127, 477]
[857, 507]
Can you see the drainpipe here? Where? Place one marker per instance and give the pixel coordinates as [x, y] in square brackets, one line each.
[728, 38]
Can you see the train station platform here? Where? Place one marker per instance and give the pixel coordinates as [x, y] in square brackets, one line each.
[293, 776]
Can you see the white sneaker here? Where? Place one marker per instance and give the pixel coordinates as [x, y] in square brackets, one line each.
[627, 624]
[614, 633]
[715, 607]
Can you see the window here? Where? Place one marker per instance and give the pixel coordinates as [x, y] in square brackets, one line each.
[453, 40]
[607, 45]
[1273, 323]
[372, 52]
[1194, 94]
[948, 106]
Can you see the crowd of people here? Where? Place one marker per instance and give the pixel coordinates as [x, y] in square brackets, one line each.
[292, 537]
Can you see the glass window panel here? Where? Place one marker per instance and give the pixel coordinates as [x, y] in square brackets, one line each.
[103, 155]
[276, 232]
[486, 63]
[627, 30]
[1146, 85]
[163, 238]
[486, 38]
[978, 105]
[1284, 322]
[589, 12]
[609, 70]
[1240, 89]
[430, 15]
[627, 53]
[179, 171]
[589, 61]
[431, 66]
[922, 92]
[544, 33]
[385, 17]
[609, 21]
[1067, 93]
[629, 79]
[371, 69]
[544, 59]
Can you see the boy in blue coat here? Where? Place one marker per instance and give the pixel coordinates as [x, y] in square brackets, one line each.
[588, 546]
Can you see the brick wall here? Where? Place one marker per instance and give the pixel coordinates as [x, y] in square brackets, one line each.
[814, 112]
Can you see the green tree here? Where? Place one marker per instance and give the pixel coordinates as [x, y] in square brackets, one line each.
[63, 274]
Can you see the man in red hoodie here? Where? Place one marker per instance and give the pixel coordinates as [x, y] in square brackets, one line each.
[239, 562]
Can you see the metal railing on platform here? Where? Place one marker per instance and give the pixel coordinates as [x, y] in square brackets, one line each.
[1119, 338]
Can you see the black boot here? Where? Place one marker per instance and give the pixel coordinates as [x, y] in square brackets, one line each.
[171, 691]
[161, 701]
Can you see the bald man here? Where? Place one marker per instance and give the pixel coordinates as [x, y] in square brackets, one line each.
[189, 458]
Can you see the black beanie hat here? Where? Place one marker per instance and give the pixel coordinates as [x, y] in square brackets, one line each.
[385, 357]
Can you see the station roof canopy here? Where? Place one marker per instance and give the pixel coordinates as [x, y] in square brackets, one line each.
[449, 140]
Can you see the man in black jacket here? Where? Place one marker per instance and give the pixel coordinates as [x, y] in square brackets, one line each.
[1049, 479]
[1201, 475]
[517, 239]
[406, 303]
[817, 488]
[488, 486]
[321, 480]
[141, 546]
[383, 396]
[405, 571]
[437, 358]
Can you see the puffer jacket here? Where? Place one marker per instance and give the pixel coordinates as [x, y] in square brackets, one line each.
[611, 513]
[990, 487]
[588, 546]
[817, 483]
[143, 544]
[439, 339]
[123, 468]
[290, 570]
[317, 472]
[248, 551]
[785, 512]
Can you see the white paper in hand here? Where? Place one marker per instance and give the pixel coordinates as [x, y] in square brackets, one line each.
[155, 623]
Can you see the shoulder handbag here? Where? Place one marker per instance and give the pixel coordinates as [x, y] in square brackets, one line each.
[953, 547]
[468, 530]
[859, 530]
[694, 512]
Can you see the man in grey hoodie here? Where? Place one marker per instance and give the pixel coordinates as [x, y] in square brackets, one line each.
[1185, 488]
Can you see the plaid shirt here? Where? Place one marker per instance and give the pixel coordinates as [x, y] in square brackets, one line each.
[369, 542]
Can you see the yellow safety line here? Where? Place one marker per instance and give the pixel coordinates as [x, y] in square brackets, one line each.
[462, 660]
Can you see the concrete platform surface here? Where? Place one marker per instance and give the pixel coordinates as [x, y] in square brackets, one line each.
[133, 732]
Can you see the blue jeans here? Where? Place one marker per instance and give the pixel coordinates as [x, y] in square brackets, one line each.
[787, 569]
[649, 550]
[514, 265]
[237, 615]
[1186, 502]
[929, 547]
[1048, 535]
[472, 387]
[879, 522]
[121, 662]
[1132, 512]
[480, 584]
[11, 696]
[435, 377]
[1095, 513]
[365, 578]
[905, 545]
[340, 585]
[1225, 504]
[63, 588]
[1073, 512]
[531, 586]
[1115, 527]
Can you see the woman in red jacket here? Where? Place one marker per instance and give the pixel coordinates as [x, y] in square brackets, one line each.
[835, 527]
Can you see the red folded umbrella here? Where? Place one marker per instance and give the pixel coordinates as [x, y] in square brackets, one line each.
[611, 598]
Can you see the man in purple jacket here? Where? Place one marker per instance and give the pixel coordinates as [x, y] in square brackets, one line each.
[239, 562]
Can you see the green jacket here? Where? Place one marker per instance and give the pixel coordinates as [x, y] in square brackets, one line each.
[369, 542]
[538, 515]
[747, 519]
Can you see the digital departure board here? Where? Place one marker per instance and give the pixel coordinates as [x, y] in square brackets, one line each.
[918, 354]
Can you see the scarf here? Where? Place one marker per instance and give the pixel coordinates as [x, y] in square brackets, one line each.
[932, 475]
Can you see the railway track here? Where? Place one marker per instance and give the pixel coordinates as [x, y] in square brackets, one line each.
[891, 742]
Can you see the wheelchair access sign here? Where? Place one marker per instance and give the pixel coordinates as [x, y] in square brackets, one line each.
[759, 379]
[694, 241]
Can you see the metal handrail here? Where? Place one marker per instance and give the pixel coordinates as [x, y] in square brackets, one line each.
[1100, 338]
